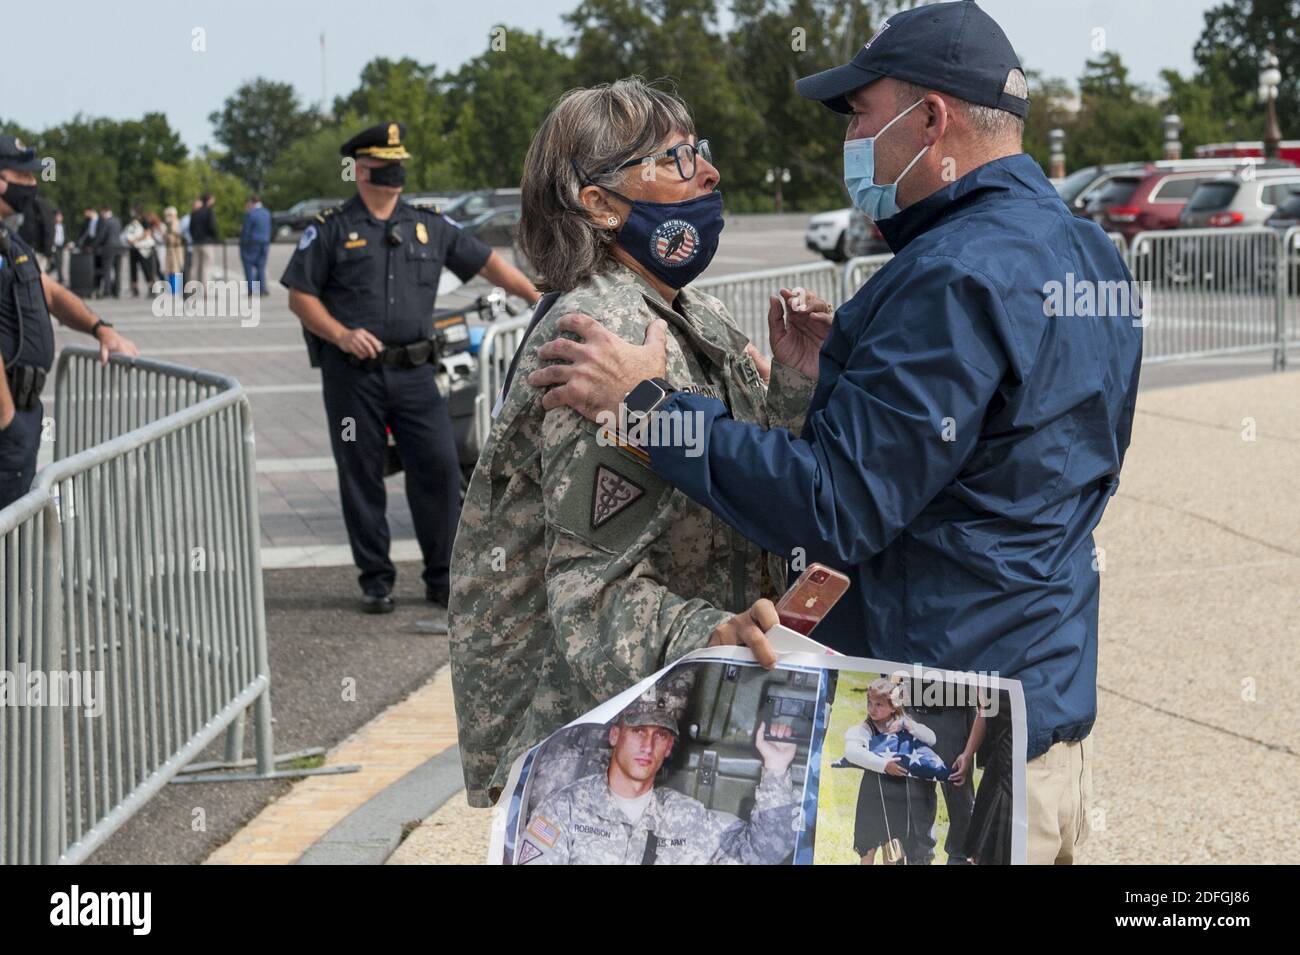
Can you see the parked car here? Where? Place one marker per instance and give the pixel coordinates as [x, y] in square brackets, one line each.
[431, 200]
[1286, 217]
[471, 205]
[826, 234]
[1239, 198]
[287, 224]
[1083, 185]
[863, 237]
[1145, 201]
[495, 227]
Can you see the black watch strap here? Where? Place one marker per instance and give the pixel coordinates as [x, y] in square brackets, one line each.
[100, 324]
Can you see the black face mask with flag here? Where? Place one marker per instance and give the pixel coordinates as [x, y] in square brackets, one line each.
[675, 241]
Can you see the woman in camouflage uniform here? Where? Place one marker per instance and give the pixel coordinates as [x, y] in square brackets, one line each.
[576, 571]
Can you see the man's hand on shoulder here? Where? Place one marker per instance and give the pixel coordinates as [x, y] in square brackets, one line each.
[598, 371]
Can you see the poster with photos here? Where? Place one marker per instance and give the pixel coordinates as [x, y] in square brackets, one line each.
[824, 759]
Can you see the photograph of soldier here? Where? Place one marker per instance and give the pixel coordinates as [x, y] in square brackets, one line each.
[696, 770]
[909, 739]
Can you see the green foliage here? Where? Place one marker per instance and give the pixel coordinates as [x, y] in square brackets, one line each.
[256, 124]
[470, 128]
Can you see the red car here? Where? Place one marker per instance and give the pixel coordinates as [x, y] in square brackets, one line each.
[1148, 199]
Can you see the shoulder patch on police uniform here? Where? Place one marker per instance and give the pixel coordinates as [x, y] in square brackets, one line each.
[611, 494]
[308, 237]
[528, 852]
[544, 831]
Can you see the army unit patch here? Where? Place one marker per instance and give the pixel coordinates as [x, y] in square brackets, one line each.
[611, 494]
[528, 852]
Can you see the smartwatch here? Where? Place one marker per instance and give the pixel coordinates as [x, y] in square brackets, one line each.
[644, 399]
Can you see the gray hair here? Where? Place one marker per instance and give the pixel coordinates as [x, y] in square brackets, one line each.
[581, 142]
[988, 120]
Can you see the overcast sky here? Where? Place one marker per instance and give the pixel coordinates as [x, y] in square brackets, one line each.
[127, 58]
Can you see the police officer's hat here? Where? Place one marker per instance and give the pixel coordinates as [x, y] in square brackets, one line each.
[378, 142]
[14, 155]
[663, 704]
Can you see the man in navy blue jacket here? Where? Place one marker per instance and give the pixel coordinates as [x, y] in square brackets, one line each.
[972, 404]
[254, 243]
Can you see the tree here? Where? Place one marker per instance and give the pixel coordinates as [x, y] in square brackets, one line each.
[1229, 53]
[256, 124]
[1117, 121]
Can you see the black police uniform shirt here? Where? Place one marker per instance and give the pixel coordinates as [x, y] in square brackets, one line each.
[345, 259]
[20, 278]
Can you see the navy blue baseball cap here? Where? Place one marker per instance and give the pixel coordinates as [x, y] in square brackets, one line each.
[955, 48]
[14, 155]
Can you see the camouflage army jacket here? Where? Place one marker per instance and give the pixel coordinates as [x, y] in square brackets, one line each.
[582, 825]
[576, 571]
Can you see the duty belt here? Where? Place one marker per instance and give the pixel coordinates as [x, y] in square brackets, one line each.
[400, 356]
[25, 385]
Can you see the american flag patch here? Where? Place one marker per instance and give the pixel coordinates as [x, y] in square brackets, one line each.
[544, 830]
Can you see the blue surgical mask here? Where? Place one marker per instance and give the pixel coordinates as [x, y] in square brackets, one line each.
[675, 241]
[875, 201]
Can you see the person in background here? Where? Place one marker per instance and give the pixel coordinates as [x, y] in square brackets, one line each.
[155, 228]
[139, 243]
[254, 242]
[188, 236]
[108, 251]
[203, 232]
[56, 253]
[86, 243]
[173, 242]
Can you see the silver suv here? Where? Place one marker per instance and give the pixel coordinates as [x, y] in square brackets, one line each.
[1243, 197]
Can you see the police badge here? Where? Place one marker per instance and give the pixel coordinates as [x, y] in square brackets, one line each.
[422, 233]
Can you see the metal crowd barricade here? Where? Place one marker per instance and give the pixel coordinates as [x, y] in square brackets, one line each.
[500, 341]
[1288, 313]
[132, 568]
[858, 270]
[1209, 292]
[746, 294]
[31, 770]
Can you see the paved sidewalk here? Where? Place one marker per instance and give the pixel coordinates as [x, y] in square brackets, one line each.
[388, 747]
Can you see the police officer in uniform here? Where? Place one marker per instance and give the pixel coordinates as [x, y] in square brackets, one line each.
[363, 283]
[27, 300]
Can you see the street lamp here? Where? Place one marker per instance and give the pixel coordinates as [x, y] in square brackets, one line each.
[776, 177]
[1056, 154]
[1173, 145]
[1269, 80]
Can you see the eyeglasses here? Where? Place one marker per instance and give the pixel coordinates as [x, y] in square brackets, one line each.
[683, 154]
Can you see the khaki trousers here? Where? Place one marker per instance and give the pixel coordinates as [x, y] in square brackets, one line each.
[1059, 785]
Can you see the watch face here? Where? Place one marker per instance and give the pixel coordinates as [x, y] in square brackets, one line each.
[643, 397]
